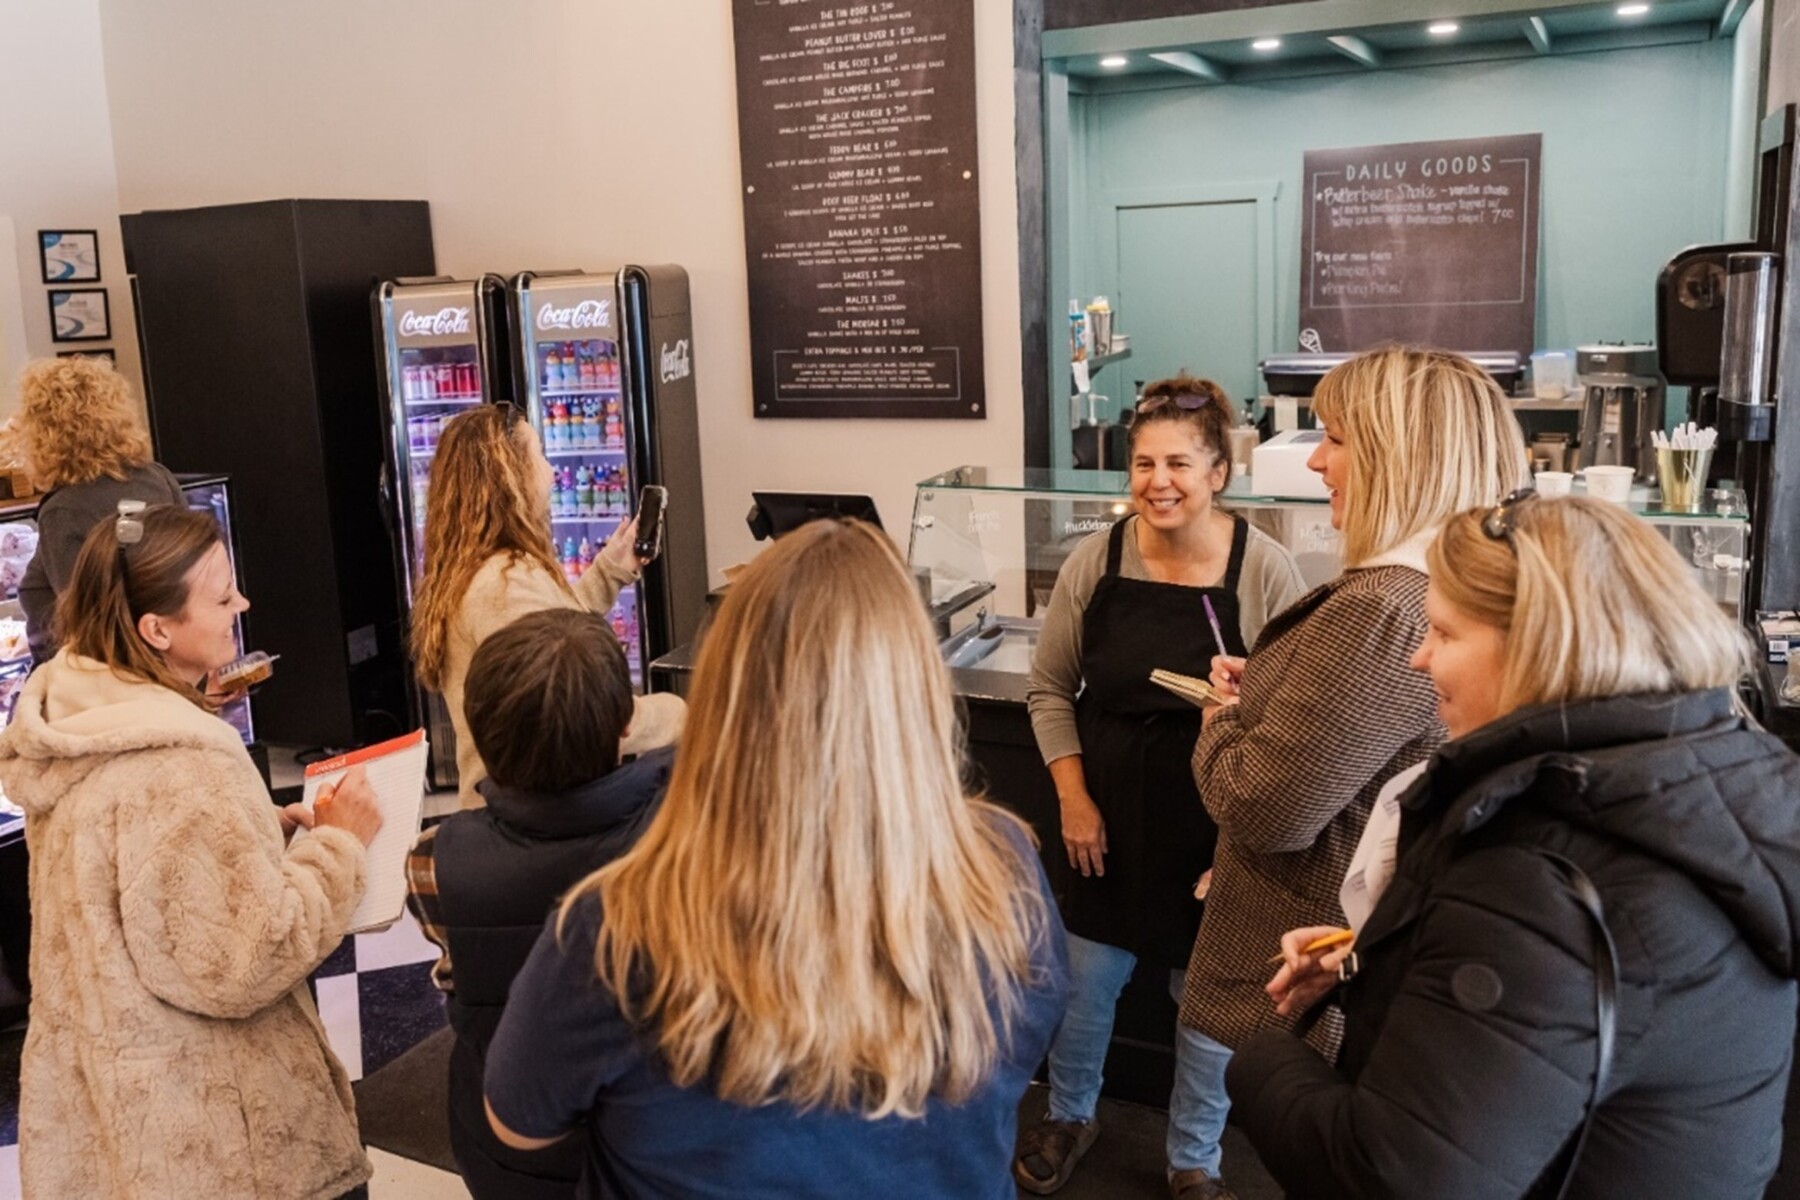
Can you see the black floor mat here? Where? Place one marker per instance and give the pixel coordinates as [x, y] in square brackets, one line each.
[401, 1107]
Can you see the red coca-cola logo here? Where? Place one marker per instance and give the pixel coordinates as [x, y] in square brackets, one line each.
[442, 323]
[589, 314]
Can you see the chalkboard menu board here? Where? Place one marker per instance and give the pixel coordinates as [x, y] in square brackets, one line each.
[1434, 243]
[856, 127]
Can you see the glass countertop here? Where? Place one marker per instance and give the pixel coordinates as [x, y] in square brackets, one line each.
[1722, 505]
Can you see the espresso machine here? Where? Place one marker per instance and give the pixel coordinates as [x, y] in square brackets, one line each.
[1621, 407]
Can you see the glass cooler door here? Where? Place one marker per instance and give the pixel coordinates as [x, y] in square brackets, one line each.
[574, 393]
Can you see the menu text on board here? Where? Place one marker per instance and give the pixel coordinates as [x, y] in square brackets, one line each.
[1432, 243]
[856, 129]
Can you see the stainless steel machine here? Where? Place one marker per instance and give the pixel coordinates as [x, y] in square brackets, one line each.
[1621, 407]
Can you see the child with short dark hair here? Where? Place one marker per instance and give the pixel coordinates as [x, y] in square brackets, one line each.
[548, 700]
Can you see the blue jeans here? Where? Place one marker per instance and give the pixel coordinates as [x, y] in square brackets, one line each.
[1197, 1108]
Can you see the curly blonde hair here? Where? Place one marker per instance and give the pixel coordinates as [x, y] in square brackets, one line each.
[76, 423]
[480, 503]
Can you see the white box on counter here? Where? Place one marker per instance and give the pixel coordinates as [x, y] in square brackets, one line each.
[1278, 466]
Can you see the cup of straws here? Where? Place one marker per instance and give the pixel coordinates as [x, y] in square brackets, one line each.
[1682, 459]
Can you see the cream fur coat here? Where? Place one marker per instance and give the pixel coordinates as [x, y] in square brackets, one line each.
[173, 1050]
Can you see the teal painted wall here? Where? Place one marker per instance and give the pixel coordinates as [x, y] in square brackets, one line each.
[1634, 167]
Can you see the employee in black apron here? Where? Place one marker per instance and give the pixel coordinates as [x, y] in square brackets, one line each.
[1129, 600]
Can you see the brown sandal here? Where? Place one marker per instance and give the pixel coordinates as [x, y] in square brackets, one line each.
[1198, 1185]
[1048, 1152]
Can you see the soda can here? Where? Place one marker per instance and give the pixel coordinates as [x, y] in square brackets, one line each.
[446, 381]
[471, 385]
[409, 383]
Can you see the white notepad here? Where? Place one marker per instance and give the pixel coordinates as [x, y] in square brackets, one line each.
[396, 771]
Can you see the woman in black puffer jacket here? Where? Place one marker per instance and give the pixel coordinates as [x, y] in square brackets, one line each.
[1586, 684]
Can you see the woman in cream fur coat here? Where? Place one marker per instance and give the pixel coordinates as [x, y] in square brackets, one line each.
[173, 1050]
[489, 560]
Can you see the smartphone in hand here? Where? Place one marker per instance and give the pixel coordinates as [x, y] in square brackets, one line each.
[652, 501]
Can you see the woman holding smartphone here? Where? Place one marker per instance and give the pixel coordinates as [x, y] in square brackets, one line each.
[489, 560]
[1325, 710]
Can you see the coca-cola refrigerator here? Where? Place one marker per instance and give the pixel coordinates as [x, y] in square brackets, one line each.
[604, 367]
[443, 349]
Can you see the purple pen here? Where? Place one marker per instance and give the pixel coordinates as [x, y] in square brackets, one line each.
[1213, 618]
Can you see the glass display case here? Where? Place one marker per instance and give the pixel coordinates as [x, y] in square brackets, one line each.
[986, 545]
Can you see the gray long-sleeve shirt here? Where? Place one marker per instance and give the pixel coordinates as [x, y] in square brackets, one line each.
[1267, 583]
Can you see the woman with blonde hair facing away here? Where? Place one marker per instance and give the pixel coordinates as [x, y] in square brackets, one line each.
[825, 970]
[1574, 975]
[77, 433]
[489, 560]
[1325, 711]
[173, 1050]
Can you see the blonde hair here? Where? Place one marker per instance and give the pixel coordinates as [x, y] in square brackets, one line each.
[114, 584]
[480, 503]
[1428, 433]
[819, 914]
[1593, 603]
[76, 423]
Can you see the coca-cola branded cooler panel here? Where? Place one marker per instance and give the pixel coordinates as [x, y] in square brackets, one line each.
[573, 377]
[434, 356]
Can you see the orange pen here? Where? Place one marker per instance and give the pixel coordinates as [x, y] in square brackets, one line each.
[1336, 938]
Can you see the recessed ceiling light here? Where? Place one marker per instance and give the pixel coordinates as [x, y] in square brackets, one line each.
[1633, 10]
[1266, 44]
[1113, 62]
[1442, 28]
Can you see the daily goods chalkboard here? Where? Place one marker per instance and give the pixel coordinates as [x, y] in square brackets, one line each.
[856, 128]
[1431, 243]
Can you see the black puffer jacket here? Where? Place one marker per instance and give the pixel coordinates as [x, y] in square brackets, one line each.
[1469, 1046]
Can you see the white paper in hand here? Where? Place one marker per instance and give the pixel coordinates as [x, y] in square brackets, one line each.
[396, 771]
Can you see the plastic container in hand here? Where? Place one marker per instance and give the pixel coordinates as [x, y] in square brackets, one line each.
[246, 672]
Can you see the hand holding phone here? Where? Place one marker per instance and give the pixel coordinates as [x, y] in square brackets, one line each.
[652, 502]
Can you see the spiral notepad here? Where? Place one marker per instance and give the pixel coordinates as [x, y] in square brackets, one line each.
[396, 771]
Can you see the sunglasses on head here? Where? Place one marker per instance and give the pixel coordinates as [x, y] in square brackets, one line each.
[1500, 521]
[1185, 401]
[510, 414]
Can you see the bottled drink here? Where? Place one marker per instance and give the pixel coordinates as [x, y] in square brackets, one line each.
[585, 555]
[409, 383]
[571, 370]
[584, 490]
[557, 428]
[588, 381]
[590, 424]
[615, 425]
[552, 371]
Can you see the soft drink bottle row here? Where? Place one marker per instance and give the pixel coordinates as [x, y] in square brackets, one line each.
[584, 425]
[440, 381]
[581, 367]
[586, 491]
[423, 431]
[576, 559]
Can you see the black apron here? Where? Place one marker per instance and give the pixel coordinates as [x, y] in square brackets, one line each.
[1137, 748]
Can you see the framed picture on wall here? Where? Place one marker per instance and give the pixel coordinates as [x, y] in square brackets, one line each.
[103, 353]
[79, 315]
[69, 255]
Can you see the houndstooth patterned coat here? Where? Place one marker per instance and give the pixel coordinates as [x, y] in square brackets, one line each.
[1329, 711]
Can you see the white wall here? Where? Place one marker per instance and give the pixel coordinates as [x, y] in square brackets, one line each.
[56, 167]
[1784, 53]
[604, 133]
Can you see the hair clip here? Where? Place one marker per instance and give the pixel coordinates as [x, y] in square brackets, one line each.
[129, 528]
